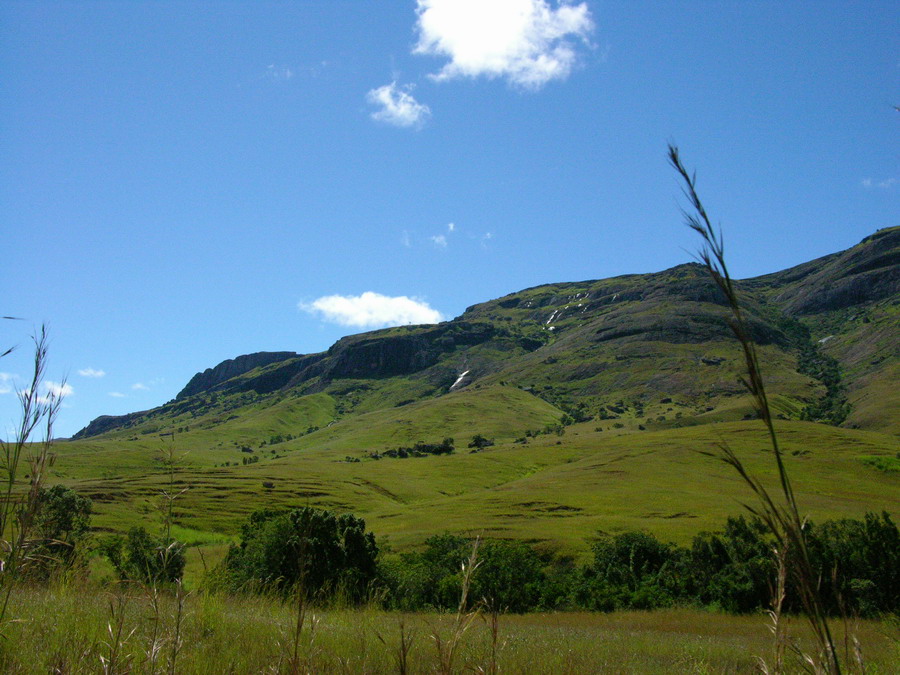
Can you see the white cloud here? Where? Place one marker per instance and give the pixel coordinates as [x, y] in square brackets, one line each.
[886, 184]
[276, 73]
[371, 310]
[5, 379]
[451, 227]
[397, 106]
[90, 372]
[58, 389]
[406, 239]
[140, 386]
[528, 42]
[439, 240]
[117, 394]
[52, 392]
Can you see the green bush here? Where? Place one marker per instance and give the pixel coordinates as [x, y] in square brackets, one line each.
[139, 556]
[632, 570]
[733, 569]
[62, 521]
[313, 549]
[509, 577]
[858, 562]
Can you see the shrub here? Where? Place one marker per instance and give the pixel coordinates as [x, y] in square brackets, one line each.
[139, 556]
[509, 577]
[733, 569]
[314, 549]
[62, 521]
[633, 570]
[858, 562]
[479, 442]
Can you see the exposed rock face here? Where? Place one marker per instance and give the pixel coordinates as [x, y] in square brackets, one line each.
[868, 272]
[580, 338]
[230, 368]
[106, 423]
[364, 356]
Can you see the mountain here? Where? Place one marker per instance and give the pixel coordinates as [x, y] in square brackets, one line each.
[571, 408]
[636, 346]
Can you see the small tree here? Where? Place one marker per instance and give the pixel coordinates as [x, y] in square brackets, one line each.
[62, 521]
[479, 442]
[315, 549]
[139, 556]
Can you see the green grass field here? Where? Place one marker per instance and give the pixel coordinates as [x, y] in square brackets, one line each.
[557, 491]
[70, 629]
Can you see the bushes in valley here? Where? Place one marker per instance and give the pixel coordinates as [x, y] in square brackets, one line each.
[314, 550]
[58, 528]
[479, 442]
[832, 407]
[509, 576]
[732, 569]
[633, 570]
[857, 563]
[420, 449]
[864, 556]
[140, 556]
[61, 524]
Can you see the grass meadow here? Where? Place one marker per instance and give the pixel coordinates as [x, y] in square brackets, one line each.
[553, 491]
[71, 628]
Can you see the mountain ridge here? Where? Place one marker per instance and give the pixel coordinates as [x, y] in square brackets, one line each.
[628, 342]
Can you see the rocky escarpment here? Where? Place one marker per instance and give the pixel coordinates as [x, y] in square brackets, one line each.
[610, 339]
[379, 354]
[868, 272]
[106, 423]
[230, 368]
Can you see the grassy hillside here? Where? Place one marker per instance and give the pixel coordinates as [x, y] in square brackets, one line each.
[555, 490]
[600, 396]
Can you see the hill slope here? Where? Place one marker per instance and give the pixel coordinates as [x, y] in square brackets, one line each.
[596, 394]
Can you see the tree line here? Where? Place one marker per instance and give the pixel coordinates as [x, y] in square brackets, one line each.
[331, 557]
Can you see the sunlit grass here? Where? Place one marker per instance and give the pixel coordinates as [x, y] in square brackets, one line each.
[66, 628]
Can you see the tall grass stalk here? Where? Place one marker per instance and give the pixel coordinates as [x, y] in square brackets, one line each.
[117, 658]
[401, 652]
[177, 640]
[447, 648]
[778, 511]
[19, 504]
[171, 462]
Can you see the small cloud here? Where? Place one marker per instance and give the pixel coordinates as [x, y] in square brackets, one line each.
[371, 310]
[58, 389]
[5, 380]
[451, 227]
[397, 106]
[90, 372]
[439, 240]
[52, 392]
[406, 239]
[317, 69]
[275, 73]
[886, 184]
[117, 394]
[140, 386]
[527, 42]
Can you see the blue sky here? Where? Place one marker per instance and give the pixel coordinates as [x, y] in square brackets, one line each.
[186, 182]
